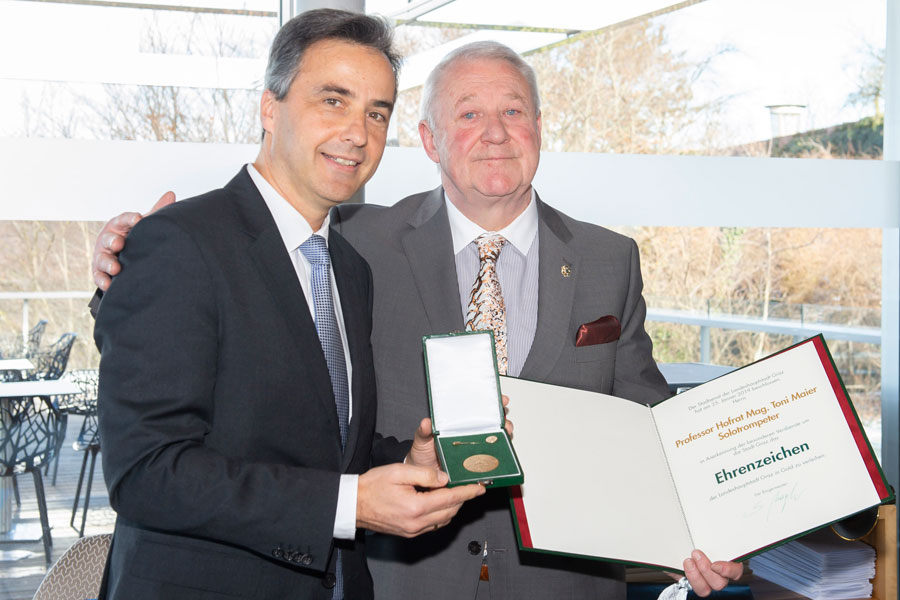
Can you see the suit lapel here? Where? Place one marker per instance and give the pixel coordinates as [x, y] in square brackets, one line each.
[348, 278]
[277, 271]
[429, 250]
[556, 294]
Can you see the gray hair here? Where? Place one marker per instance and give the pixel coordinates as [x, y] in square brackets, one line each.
[486, 50]
[307, 28]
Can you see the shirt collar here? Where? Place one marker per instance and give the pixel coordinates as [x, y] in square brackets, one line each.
[294, 229]
[520, 233]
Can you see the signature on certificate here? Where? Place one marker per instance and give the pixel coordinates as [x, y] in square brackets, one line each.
[782, 498]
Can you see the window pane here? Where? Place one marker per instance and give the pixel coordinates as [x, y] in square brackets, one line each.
[728, 78]
[164, 71]
[177, 74]
[751, 289]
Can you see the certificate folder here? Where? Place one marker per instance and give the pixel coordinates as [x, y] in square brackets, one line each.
[732, 467]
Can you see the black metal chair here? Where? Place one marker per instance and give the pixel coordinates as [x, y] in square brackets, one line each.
[13, 346]
[83, 403]
[28, 440]
[88, 439]
[89, 442]
[51, 363]
[34, 338]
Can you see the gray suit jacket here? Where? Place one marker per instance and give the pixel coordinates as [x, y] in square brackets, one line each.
[409, 249]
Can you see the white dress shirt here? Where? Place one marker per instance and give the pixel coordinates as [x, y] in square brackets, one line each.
[295, 230]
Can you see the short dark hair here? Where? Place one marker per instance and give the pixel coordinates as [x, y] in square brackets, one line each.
[312, 26]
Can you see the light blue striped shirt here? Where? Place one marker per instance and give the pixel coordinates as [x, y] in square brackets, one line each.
[517, 270]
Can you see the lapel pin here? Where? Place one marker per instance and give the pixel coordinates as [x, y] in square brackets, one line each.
[566, 270]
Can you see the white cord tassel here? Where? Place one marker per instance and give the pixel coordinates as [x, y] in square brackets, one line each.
[676, 591]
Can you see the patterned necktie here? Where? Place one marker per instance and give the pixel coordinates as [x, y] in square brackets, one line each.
[316, 252]
[486, 308]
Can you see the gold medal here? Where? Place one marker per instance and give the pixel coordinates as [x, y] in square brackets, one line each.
[481, 463]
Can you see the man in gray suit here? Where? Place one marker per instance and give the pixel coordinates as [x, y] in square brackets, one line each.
[482, 126]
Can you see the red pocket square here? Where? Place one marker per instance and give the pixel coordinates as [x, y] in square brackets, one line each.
[603, 330]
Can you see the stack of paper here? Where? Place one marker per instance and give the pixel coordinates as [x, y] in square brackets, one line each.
[821, 568]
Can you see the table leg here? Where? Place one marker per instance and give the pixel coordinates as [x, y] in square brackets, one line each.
[7, 497]
[6, 483]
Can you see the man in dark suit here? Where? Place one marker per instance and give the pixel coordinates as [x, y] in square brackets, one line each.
[237, 391]
[481, 125]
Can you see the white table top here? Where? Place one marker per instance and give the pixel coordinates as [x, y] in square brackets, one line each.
[15, 364]
[53, 387]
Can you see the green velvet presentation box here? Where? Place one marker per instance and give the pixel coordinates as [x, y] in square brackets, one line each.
[467, 414]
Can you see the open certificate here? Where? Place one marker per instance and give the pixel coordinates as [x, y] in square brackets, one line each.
[732, 467]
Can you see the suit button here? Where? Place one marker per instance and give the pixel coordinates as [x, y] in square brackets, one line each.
[306, 559]
[474, 548]
[329, 580]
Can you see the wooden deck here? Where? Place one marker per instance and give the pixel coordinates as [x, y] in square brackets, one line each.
[20, 578]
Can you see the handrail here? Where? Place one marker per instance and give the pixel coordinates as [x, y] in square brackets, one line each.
[26, 296]
[793, 327]
[43, 295]
[798, 328]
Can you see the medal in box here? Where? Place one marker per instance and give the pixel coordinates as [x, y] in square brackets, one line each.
[467, 415]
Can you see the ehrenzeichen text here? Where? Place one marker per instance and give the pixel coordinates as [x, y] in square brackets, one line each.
[727, 474]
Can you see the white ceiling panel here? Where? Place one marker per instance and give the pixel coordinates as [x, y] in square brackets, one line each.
[574, 15]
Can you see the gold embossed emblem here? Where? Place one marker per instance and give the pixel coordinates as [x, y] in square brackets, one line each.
[566, 270]
[491, 439]
[481, 463]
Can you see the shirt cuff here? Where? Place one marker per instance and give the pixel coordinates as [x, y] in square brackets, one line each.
[345, 517]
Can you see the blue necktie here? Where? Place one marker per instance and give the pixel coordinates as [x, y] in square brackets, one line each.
[316, 252]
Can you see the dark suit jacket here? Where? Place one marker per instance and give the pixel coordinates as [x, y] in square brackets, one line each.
[409, 248]
[221, 447]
